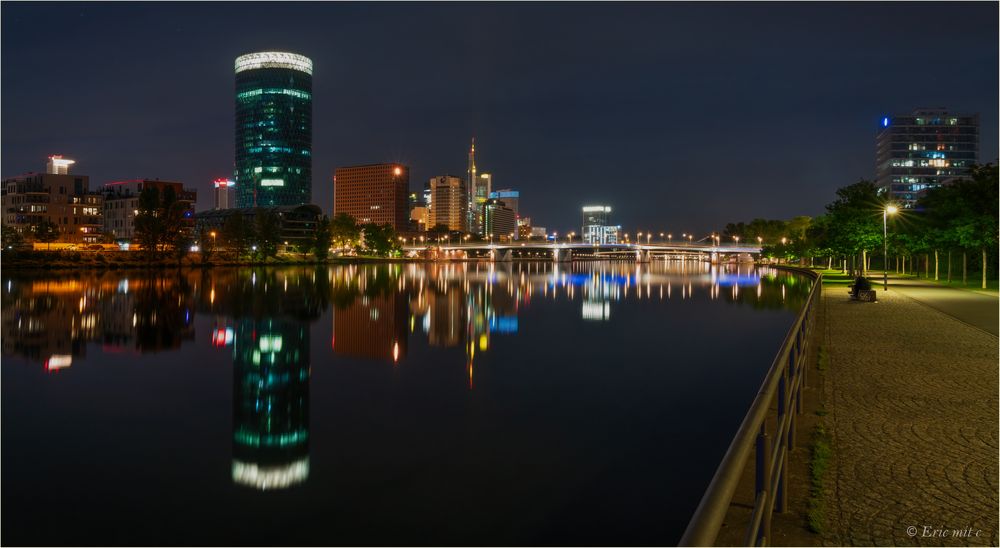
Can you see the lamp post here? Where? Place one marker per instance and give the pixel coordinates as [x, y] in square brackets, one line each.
[889, 210]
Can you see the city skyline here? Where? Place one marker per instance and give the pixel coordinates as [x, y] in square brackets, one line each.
[644, 121]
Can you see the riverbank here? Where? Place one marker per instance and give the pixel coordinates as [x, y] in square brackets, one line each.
[114, 260]
[911, 396]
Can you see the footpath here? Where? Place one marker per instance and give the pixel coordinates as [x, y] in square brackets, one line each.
[911, 392]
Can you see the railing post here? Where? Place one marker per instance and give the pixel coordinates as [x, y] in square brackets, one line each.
[763, 465]
[781, 504]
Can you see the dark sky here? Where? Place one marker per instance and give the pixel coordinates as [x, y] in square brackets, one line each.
[680, 116]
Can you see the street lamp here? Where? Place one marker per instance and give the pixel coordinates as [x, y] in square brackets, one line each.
[737, 238]
[889, 210]
[648, 236]
[670, 239]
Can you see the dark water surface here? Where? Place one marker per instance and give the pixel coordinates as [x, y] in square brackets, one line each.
[436, 404]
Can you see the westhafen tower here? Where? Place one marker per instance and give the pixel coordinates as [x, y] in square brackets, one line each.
[273, 129]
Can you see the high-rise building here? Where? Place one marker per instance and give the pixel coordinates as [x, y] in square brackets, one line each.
[509, 197]
[922, 150]
[223, 193]
[499, 221]
[121, 204]
[273, 129]
[56, 197]
[374, 193]
[449, 203]
[596, 226]
[481, 193]
[471, 179]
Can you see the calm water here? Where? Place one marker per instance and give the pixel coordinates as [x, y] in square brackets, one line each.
[392, 404]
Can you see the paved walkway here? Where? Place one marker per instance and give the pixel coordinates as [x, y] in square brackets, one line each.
[912, 396]
[972, 307]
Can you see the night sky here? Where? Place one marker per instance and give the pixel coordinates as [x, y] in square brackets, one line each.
[680, 116]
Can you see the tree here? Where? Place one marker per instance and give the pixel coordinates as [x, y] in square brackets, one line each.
[181, 244]
[268, 232]
[11, 238]
[148, 222]
[322, 238]
[46, 232]
[344, 230]
[236, 234]
[963, 214]
[380, 240]
[855, 220]
[206, 243]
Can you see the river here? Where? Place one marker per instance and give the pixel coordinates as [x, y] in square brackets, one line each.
[389, 404]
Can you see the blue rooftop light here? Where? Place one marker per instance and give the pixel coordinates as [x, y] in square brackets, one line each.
[885, 121]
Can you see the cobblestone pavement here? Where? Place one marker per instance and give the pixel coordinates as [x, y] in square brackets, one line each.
[912, 396]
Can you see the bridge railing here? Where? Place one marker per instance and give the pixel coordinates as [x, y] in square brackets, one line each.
[782, 387]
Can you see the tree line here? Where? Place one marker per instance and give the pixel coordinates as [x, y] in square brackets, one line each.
[956, 219]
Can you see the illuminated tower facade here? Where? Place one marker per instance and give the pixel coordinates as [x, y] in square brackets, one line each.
[273, 129]
[923, 150]
[470, 186]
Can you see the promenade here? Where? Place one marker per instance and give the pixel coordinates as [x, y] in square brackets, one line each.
[912, 397]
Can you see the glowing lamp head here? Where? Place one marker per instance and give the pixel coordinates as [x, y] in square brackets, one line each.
[892, 210]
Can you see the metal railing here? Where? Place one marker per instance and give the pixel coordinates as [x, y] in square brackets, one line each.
[781, 387]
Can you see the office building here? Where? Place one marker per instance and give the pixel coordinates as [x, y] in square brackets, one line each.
[523, 228]
[922, 150]
[481, 193]
[273, 129]
[296, 224]
[56, 197]
[449, 201]
[223, 192]
[509, 197]
[121, 204]
[597, 227]
[499, 221]
[374, 193]
[471, 180]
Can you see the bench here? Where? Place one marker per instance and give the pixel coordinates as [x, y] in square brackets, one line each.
[863, 295]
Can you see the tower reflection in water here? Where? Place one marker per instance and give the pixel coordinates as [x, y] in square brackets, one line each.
[270, 403]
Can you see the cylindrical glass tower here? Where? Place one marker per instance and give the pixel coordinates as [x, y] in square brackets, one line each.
[273, 129]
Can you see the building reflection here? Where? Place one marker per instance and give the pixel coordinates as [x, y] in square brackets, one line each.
[52, 320]
[370, 316]
[270, 403]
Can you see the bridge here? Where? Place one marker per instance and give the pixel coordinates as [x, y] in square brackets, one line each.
[562, 252]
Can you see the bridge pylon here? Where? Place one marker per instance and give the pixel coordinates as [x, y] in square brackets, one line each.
[642, 256]
[562, 255]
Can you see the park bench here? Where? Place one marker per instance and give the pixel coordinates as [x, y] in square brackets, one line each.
[863, 295]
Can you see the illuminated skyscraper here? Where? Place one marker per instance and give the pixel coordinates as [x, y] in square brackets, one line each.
[448, 203]
[273, 129]
[374, 193]
[596, 227]
[470, 187]
[922, 150]
[223, 190]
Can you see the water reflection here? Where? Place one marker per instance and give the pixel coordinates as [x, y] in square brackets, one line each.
[262, 317]
[375, 307]
[529, 403]
[270, 403]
